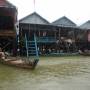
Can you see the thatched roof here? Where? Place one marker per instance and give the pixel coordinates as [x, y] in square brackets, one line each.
[34, 18]
[5, 3]
[86, 25]
[64, 21]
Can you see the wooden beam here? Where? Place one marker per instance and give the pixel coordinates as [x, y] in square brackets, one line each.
[7, 33]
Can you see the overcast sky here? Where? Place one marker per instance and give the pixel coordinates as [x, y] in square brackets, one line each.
[76, 10]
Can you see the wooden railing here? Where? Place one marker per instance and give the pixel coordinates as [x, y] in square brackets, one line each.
[46, 39]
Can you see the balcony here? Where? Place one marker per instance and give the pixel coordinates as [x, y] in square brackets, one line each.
[46, 40]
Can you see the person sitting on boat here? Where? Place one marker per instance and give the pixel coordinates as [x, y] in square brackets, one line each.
[2, 55]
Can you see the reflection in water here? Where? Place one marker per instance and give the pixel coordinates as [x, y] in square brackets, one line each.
[60, 73]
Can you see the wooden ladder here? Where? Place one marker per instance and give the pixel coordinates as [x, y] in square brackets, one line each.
[31, 47]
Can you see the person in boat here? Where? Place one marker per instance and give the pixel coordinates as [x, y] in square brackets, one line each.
[2, 54]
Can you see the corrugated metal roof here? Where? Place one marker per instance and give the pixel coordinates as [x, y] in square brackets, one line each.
[5, 3]
[34, 18]
[64, 21]
[86, 25]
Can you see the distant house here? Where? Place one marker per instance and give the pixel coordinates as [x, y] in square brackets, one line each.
[8, 18]
[68, 30]
[86, 33]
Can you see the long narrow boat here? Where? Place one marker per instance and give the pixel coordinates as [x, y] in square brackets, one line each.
[20, 63]
[85, 53]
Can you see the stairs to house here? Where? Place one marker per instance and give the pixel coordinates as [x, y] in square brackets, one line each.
[31, 47]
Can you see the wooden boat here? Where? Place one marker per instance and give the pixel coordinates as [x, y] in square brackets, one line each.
[85, 53]
[20, 63]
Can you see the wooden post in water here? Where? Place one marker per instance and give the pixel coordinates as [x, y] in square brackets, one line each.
[26, 42]
[36, 46]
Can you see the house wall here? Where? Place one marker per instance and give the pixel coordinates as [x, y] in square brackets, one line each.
[8, 18]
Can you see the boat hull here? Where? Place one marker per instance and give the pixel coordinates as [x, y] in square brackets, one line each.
[20, 63]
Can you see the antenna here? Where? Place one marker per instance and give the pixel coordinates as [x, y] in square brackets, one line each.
[34, 1]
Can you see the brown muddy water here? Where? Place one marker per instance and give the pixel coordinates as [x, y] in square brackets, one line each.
[52, 73]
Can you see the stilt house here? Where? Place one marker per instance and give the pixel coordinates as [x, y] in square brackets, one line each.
[85, 35]
[8, 18]
[34, 25]
[67, 35]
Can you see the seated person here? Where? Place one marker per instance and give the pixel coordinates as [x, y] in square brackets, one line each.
[2, 55]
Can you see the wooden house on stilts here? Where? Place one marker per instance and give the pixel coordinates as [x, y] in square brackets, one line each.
[67, 35]
[8, 18]
[85, 36]
[33, 26]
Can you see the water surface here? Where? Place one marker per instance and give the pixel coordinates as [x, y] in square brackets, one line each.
[52, 73]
